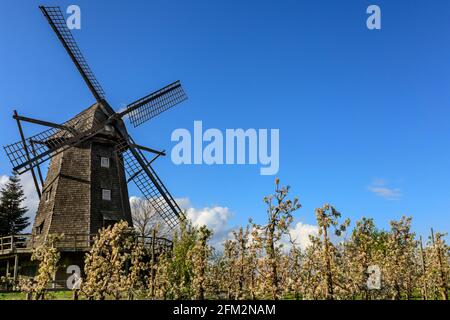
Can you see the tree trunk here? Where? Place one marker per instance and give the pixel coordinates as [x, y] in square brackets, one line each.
[443, 287]
[330, 289]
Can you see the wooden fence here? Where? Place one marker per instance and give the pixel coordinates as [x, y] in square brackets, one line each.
[71, 242]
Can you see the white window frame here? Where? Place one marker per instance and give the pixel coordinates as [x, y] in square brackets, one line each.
[106, 194]
[104, 162]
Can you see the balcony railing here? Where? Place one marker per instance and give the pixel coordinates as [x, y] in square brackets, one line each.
[71, 242]
[14, 243]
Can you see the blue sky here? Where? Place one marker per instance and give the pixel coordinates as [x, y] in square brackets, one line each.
[363, 115]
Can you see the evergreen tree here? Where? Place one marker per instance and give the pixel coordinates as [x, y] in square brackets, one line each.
[12, 213]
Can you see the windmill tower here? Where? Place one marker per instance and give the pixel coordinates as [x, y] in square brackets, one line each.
[92, 157]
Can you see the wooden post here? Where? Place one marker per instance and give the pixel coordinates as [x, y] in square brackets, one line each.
[54, 280]
[33, 150]
[7, 268]
[16, 265]
[27, 154]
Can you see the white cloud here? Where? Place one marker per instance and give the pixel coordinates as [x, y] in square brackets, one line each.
[3, 180]
[381, 188]
[184, 203]
[133, 199]
[300, 234]
[32, 198]
[215, 218]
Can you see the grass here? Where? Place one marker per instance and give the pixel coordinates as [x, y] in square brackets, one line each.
[54, 295]
[12, 296]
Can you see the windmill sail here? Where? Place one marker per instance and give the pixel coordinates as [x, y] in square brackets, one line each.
[148, 182]
[56, 20]
[83, 179]
[53, 141]
[155, 103]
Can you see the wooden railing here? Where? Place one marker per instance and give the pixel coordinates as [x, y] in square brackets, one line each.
[12, 246]
[75, 242]
[159, 245]
[12, 243]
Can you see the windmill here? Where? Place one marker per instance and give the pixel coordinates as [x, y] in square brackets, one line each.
[92, 156]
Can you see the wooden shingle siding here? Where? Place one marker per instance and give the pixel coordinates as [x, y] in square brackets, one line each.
[76, 179]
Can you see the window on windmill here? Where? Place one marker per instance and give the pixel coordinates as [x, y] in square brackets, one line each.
[104, 162]
[106, 194]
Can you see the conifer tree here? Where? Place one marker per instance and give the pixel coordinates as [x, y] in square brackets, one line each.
[12, 211]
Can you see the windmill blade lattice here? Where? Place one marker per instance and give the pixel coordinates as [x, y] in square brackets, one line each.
[79, 142]
[48, 143]
[155, 103]
[58, 23]
[150, 185]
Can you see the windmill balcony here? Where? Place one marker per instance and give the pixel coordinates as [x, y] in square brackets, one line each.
[16, 251]
[23, 243]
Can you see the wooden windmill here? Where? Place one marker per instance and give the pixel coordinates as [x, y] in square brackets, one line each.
[92, 156]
